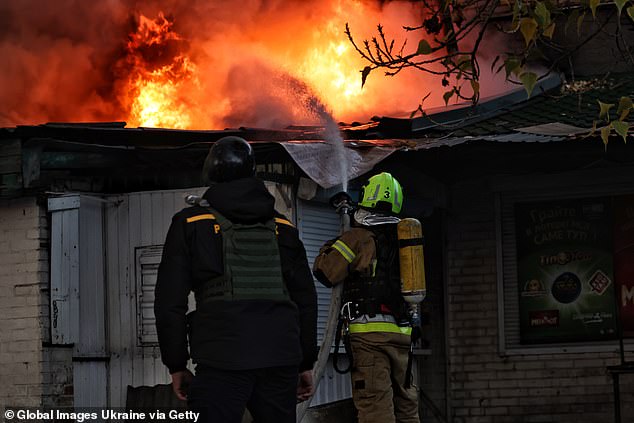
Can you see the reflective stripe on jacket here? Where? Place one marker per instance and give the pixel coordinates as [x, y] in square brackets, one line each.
[353, 251]
[380, 327]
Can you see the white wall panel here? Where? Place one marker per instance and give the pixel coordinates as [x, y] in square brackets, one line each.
[78, 294]
[64, 269]
[136, 228]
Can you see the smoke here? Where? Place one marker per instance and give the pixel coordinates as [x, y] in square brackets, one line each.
[55, 60]
[67, 60]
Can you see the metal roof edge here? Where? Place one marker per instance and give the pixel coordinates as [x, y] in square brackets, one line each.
[484, 110]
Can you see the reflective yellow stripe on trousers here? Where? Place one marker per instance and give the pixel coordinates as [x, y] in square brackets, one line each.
[379, 327]
[344, 250]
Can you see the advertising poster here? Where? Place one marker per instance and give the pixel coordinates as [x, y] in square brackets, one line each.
[565, 270]
[624, 261]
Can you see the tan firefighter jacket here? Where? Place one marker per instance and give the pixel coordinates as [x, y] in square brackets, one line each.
[355, 250]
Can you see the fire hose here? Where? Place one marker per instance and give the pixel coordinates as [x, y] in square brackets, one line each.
[343, 204]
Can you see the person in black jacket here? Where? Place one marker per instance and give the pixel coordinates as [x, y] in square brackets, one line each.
[252, 350]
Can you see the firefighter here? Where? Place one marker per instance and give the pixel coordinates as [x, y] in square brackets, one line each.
[253, 333]
[374, 312]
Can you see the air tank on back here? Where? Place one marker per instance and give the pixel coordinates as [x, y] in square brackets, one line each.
[412, 265]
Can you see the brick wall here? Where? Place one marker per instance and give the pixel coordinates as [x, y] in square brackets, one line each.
[57, 377]
[485, 387]
[23, 276]
[31, 374]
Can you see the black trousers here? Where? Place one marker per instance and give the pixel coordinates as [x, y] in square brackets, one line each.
[221, 396]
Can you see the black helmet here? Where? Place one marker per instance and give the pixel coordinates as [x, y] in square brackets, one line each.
[228, 159]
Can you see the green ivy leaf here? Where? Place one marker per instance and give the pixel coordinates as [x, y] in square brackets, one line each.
[625, 106]
[528, 28]
[605, 110]
[423, 47]
[464, 63]
[605, 134]
[529, 79]
[364, 74]
[543, 14]
[512, 65]
[621, 128]
[516, 15]
[548, 32]
[630, 11]
[620, 4]
[593, 6]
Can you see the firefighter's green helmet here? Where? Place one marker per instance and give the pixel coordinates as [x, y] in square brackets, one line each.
[382, 193]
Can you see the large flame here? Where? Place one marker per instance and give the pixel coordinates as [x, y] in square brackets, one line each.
[157, 75]
[332, 66]
[203, 64]
[320, 55]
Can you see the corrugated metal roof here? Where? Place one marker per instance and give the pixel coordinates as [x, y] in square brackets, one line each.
[514, 137]
[574, 104]
[554, 114]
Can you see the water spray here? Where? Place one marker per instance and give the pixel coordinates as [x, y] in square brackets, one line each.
[342, 202]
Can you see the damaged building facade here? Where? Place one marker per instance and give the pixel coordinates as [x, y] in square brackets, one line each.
[528, 229]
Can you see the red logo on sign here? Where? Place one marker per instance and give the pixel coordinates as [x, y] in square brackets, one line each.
[543, 318]
[599, 282]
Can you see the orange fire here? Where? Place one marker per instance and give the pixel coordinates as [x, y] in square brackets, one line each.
[178, 93]
[332, 67]
[206, 64]
[158, 74]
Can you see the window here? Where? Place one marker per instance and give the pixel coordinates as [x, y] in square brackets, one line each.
[562, 261]
[147, 262]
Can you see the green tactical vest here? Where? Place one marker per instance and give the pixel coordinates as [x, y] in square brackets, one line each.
[252, 265]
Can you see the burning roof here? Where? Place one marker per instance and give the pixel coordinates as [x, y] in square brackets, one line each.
[199, 64]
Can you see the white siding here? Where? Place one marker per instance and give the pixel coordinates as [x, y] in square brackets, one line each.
[77, 292]
[64, 269]
[137, 224]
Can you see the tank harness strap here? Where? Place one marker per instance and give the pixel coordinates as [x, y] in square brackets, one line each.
[416, 335]
[218, 287]
[411, 242]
